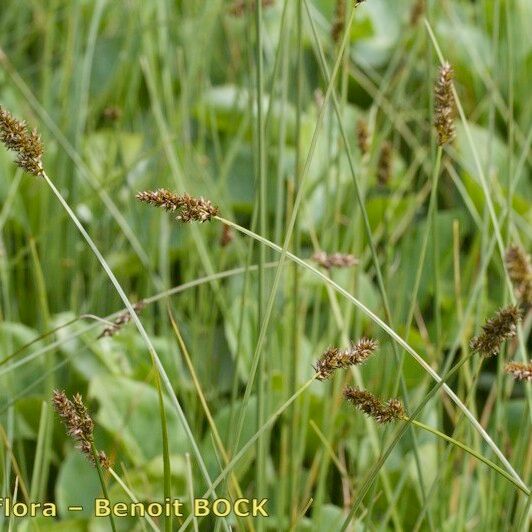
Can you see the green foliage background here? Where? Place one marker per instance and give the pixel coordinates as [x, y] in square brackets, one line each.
[132, 96]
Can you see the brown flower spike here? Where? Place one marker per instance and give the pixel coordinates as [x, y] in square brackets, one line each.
[334, 260]
[17, 137]
[335, 358]
[520, 271]
[520, 371]
[367, 403]
[189, 209]
[79, 425]
[444, 106]
[121, 320]
[495, 331]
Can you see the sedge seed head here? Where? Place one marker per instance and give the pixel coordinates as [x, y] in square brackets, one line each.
[188, 209]
[335, 358]
[122, 319]
[444, 106]
[521, 371]
[501, 327]
[373, 407]
[334, 260]
[26, 143]
[79, 424]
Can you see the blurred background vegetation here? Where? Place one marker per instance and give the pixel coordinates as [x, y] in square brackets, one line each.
[134, 95]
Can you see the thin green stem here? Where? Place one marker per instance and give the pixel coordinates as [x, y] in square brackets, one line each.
[102, 481]
[423, 252]
[472, 452]
[261, 178]
[288, 236]
[167, 469]
[131, 495]
[436, 256]
[294, 359]
[245, 448]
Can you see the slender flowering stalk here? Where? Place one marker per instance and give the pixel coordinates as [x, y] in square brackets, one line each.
[335, 358]
[521, 371]
[520, 272]
[17, 137]
[121, 320]
[335, 260]
[80, 426]
[188, 209]
[384, 166]
[366, 402]
[495, 331]
[444, 111]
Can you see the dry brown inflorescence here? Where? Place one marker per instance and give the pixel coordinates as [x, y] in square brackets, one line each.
[121, 320]
[495, 331]
[334, 260]
[373, 407]
[335, 358]
[444, 111]
[79, 424]
[26, 143]
[188, 209]
[521, 371]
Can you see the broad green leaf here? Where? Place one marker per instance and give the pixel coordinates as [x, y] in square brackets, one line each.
[77, 485]
[130, 411]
